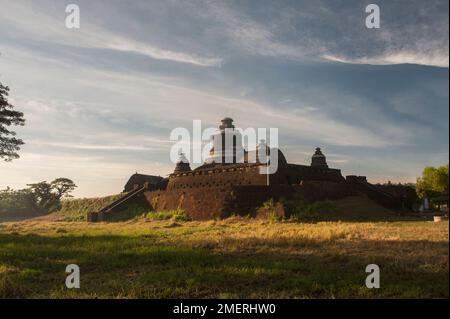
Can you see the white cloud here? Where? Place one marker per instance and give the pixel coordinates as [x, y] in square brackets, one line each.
[289, 35]
[246, 34]
[210, 108]
[107, 147]
[172, 103]
[122, 44]
[438, 59]
[25, 17]
[230, 27]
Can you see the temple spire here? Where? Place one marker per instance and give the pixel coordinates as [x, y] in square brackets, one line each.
[182, 164]
[318, 159]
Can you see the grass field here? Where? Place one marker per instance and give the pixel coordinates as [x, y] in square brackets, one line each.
[233, 258]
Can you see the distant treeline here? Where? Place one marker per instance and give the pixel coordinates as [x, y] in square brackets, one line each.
[17, 203]
[38, 199]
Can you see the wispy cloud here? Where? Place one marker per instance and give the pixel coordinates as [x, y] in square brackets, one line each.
[438, 59]
[121, 44]
[248, 35]
[306, 31]
[171, 103]
[78, 146]
[51, 29]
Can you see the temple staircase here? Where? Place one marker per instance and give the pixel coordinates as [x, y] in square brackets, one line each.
[102, 214]
[375, 192]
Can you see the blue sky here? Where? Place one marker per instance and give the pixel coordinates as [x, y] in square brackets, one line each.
[100, 101]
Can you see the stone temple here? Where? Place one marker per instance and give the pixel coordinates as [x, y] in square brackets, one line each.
[230, 183]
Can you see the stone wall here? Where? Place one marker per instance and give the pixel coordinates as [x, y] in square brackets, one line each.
[248, 174]
[220, 202]
[222, 190]
[200, 203]
[294, 174]
[225, 176]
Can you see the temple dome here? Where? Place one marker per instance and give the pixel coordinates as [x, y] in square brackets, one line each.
[262, 148]
[318, 159]
[182, 164]
[226, 123]
[227, 144]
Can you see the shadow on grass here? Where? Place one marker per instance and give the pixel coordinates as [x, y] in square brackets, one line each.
[18, 218]
[33, 266]
[359, 219]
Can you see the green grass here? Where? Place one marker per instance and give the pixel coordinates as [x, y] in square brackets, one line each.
[77, 209]
[175, 215]
[303, 211]
[237, 257]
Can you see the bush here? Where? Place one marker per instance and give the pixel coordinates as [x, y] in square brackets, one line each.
[17, 203]
[269, 204]
[178, 215]
[304, 211]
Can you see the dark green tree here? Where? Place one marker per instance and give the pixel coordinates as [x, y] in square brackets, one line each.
[48, 195]
[9, 144]
[17, 203]
[62, 187]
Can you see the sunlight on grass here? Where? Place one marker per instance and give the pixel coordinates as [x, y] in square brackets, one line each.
[238, 257]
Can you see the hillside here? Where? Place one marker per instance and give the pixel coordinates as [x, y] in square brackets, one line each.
[349, 208]
[76, 209]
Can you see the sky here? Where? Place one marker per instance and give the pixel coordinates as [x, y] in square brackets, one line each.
[100, 101]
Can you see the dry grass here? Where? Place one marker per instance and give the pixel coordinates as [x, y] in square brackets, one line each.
[231, 258]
